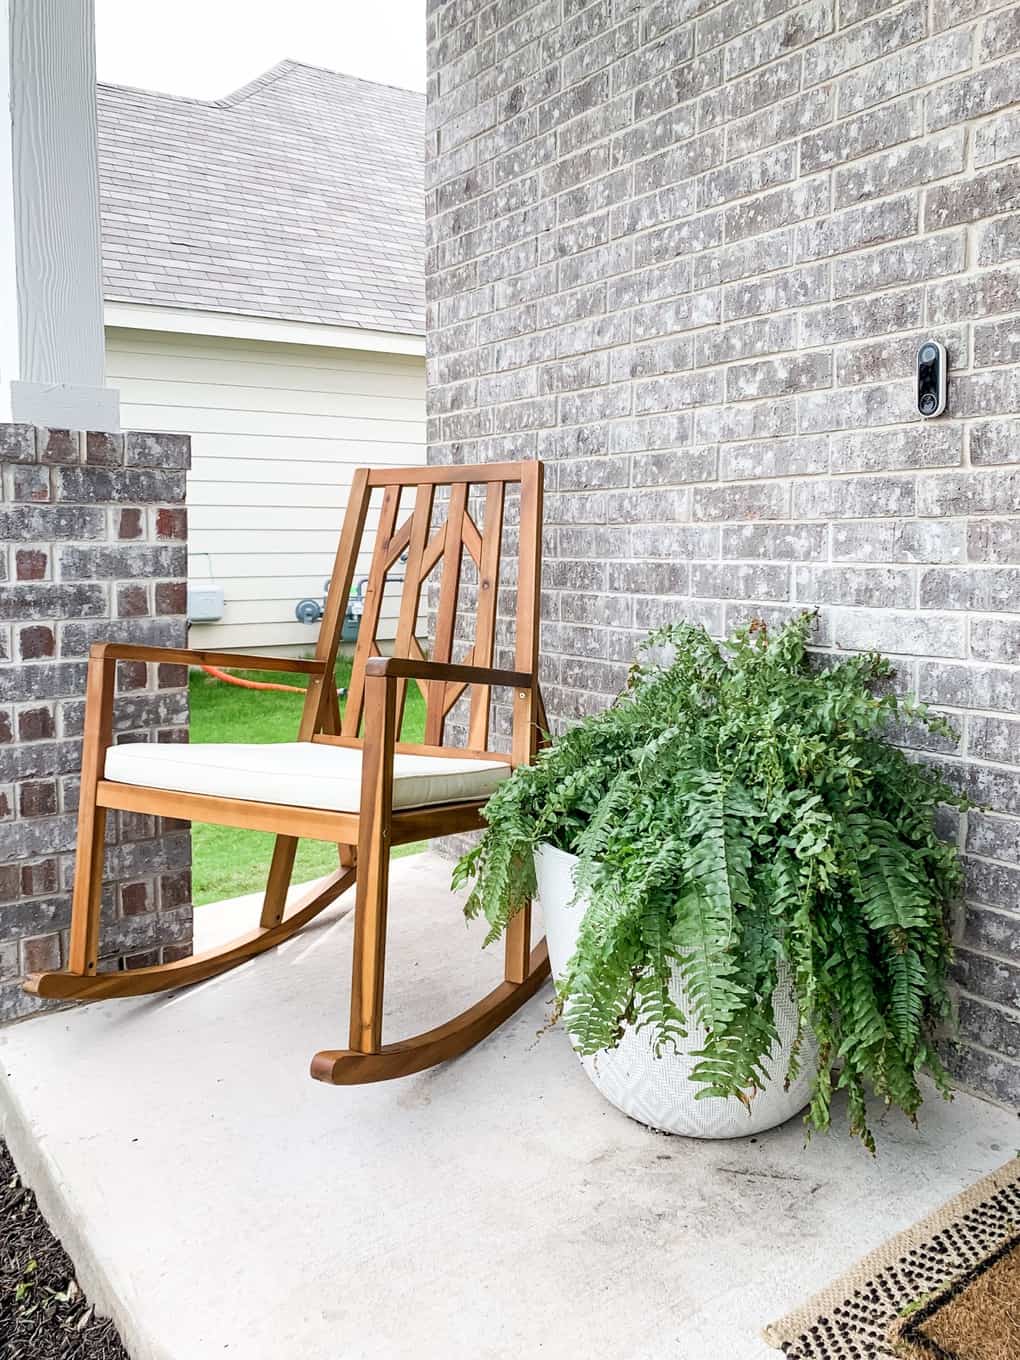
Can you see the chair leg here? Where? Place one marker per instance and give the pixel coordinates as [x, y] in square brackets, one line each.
[87, 891]
[373, 867]
[281, 869]
[352, 1067]
[370, 911]
[281, 874]
[517, 946]
[86, 895]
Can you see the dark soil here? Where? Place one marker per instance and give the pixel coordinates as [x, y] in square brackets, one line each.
[43, 1313]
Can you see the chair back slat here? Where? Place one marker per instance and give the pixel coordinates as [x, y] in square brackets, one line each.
[405, 643]
[527, 703]
[446, 614]
[320, 698]
[375, 587]
[488, 595]
[414, 546]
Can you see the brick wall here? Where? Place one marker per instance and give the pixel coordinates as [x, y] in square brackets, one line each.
[93, 537]
[685, 251]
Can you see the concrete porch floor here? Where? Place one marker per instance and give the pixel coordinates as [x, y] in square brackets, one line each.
[219, 1203]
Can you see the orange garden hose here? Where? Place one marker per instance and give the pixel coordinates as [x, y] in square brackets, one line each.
[217, 674]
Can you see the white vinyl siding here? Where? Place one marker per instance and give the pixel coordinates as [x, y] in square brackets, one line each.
[277, 431]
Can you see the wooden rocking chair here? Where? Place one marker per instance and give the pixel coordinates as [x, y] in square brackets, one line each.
[351, 783]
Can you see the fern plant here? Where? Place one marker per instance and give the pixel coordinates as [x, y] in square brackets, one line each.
[737, 809]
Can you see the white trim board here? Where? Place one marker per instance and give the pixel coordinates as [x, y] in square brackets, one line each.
[187, 321]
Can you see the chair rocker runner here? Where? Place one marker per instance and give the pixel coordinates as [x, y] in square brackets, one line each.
[353, 781]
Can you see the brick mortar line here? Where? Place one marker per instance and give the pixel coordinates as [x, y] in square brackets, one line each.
[918, 235]
[977, 1044]
[947, 180]
[892, 290]
[837, 79]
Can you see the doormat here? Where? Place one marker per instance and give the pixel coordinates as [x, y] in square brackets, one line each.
[946, 1289]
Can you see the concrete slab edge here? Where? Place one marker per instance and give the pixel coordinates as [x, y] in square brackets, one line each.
[109, 1297]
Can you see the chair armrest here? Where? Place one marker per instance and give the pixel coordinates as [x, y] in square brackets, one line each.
[405, 668]
[177, 656]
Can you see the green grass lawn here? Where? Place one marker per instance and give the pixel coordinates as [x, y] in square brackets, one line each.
[228, 862]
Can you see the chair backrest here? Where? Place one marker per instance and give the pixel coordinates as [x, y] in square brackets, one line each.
[412, 549]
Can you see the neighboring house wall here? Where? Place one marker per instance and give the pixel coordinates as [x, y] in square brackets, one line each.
[686, 255]
[277, 430]
[93, 541]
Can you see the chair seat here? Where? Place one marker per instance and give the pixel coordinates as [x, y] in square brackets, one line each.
[298, 773]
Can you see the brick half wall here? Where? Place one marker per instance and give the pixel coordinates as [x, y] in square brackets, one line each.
[93, 547]
[686, 253]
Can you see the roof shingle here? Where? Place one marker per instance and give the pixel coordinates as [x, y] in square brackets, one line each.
[300, 196]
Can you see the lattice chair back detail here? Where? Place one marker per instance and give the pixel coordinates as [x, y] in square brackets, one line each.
[349, 779]
[433, 540]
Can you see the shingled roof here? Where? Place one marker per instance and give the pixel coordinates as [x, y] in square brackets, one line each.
[300, 196]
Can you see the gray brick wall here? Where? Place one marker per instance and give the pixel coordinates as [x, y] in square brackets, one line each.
[93, 547]
[685, 252]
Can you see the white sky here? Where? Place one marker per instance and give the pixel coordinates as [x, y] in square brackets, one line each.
[207, 48]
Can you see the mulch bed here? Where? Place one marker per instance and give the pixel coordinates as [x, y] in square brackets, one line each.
[43, 1313]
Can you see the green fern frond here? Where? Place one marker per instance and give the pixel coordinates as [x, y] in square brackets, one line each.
[907, 990]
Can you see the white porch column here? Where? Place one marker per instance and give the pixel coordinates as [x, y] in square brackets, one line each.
[52, 361]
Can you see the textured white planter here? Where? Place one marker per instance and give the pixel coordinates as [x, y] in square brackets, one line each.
[658, 1091]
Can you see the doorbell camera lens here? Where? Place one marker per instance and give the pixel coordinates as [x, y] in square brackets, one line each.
[932, 368]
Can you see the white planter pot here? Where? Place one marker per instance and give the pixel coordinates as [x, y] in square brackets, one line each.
[658, 1091]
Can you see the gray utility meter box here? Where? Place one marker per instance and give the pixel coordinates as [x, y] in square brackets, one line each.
[205, 602]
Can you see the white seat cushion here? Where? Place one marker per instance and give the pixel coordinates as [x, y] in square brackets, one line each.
[299, 773]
